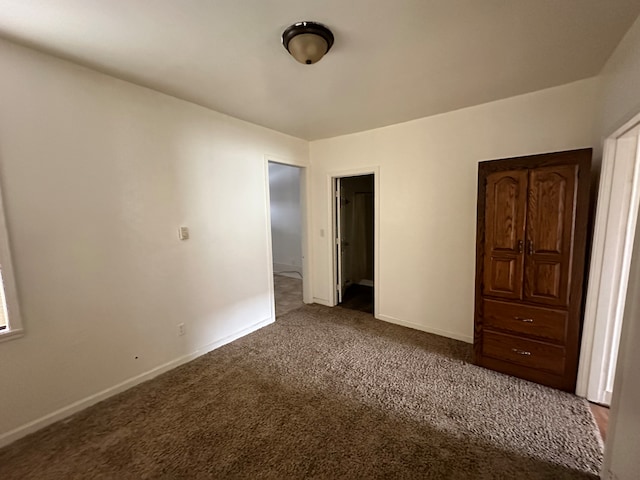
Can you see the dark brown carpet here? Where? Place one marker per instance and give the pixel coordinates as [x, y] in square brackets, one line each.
[322, 393]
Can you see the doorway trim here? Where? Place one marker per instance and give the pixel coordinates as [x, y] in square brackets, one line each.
[305, 222]
[614, 229]
[355, 172]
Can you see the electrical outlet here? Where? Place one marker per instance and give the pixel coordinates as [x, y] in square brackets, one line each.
[181, 329]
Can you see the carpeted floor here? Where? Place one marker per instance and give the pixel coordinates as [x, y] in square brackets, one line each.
[322, 393]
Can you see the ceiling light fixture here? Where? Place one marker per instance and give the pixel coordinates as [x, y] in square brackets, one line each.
[307, 42]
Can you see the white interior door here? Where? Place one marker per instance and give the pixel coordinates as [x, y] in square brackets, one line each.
[616, 218]
[339, 240]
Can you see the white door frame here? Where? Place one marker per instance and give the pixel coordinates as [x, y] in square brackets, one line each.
[305, 221]
[614, 229]
[331, 177]
[337, 245]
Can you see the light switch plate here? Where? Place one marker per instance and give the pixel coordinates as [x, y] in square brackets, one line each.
[183, 233]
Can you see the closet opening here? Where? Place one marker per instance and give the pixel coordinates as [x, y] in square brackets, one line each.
[354, 227]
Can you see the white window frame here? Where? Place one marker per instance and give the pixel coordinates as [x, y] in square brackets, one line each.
[14, 328]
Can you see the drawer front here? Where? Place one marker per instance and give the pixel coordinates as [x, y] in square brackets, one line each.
[529, 353]
[543, 323]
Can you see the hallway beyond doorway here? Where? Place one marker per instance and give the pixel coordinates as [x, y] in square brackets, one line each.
[288, 294]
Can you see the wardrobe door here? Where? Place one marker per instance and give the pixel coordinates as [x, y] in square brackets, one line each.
[550, 222]
[505, 211]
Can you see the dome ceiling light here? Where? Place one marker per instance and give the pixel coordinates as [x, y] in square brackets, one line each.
[307, 42]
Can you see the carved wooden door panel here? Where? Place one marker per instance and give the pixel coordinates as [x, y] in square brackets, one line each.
[505, 211]
[551, 209]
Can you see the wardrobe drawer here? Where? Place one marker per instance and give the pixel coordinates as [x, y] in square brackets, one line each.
[543, 323]
[521, 351]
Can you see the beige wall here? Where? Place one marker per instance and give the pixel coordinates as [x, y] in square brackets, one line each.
[620, 102]
[97, 176]
[428, 175]
[620, 89]
[624, 424]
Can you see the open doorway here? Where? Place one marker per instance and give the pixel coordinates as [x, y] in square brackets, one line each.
[286, 214]
[616, 217]
[355, 243]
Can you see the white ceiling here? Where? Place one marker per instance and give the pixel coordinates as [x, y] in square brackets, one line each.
[392, 61]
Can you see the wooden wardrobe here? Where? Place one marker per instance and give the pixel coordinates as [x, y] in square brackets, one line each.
[530, 264]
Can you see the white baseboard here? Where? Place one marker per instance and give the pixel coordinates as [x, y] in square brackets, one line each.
[288, 274]
[322, 301]
[415, 326]
[26, 429]
[284, 269]
[607, 397]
